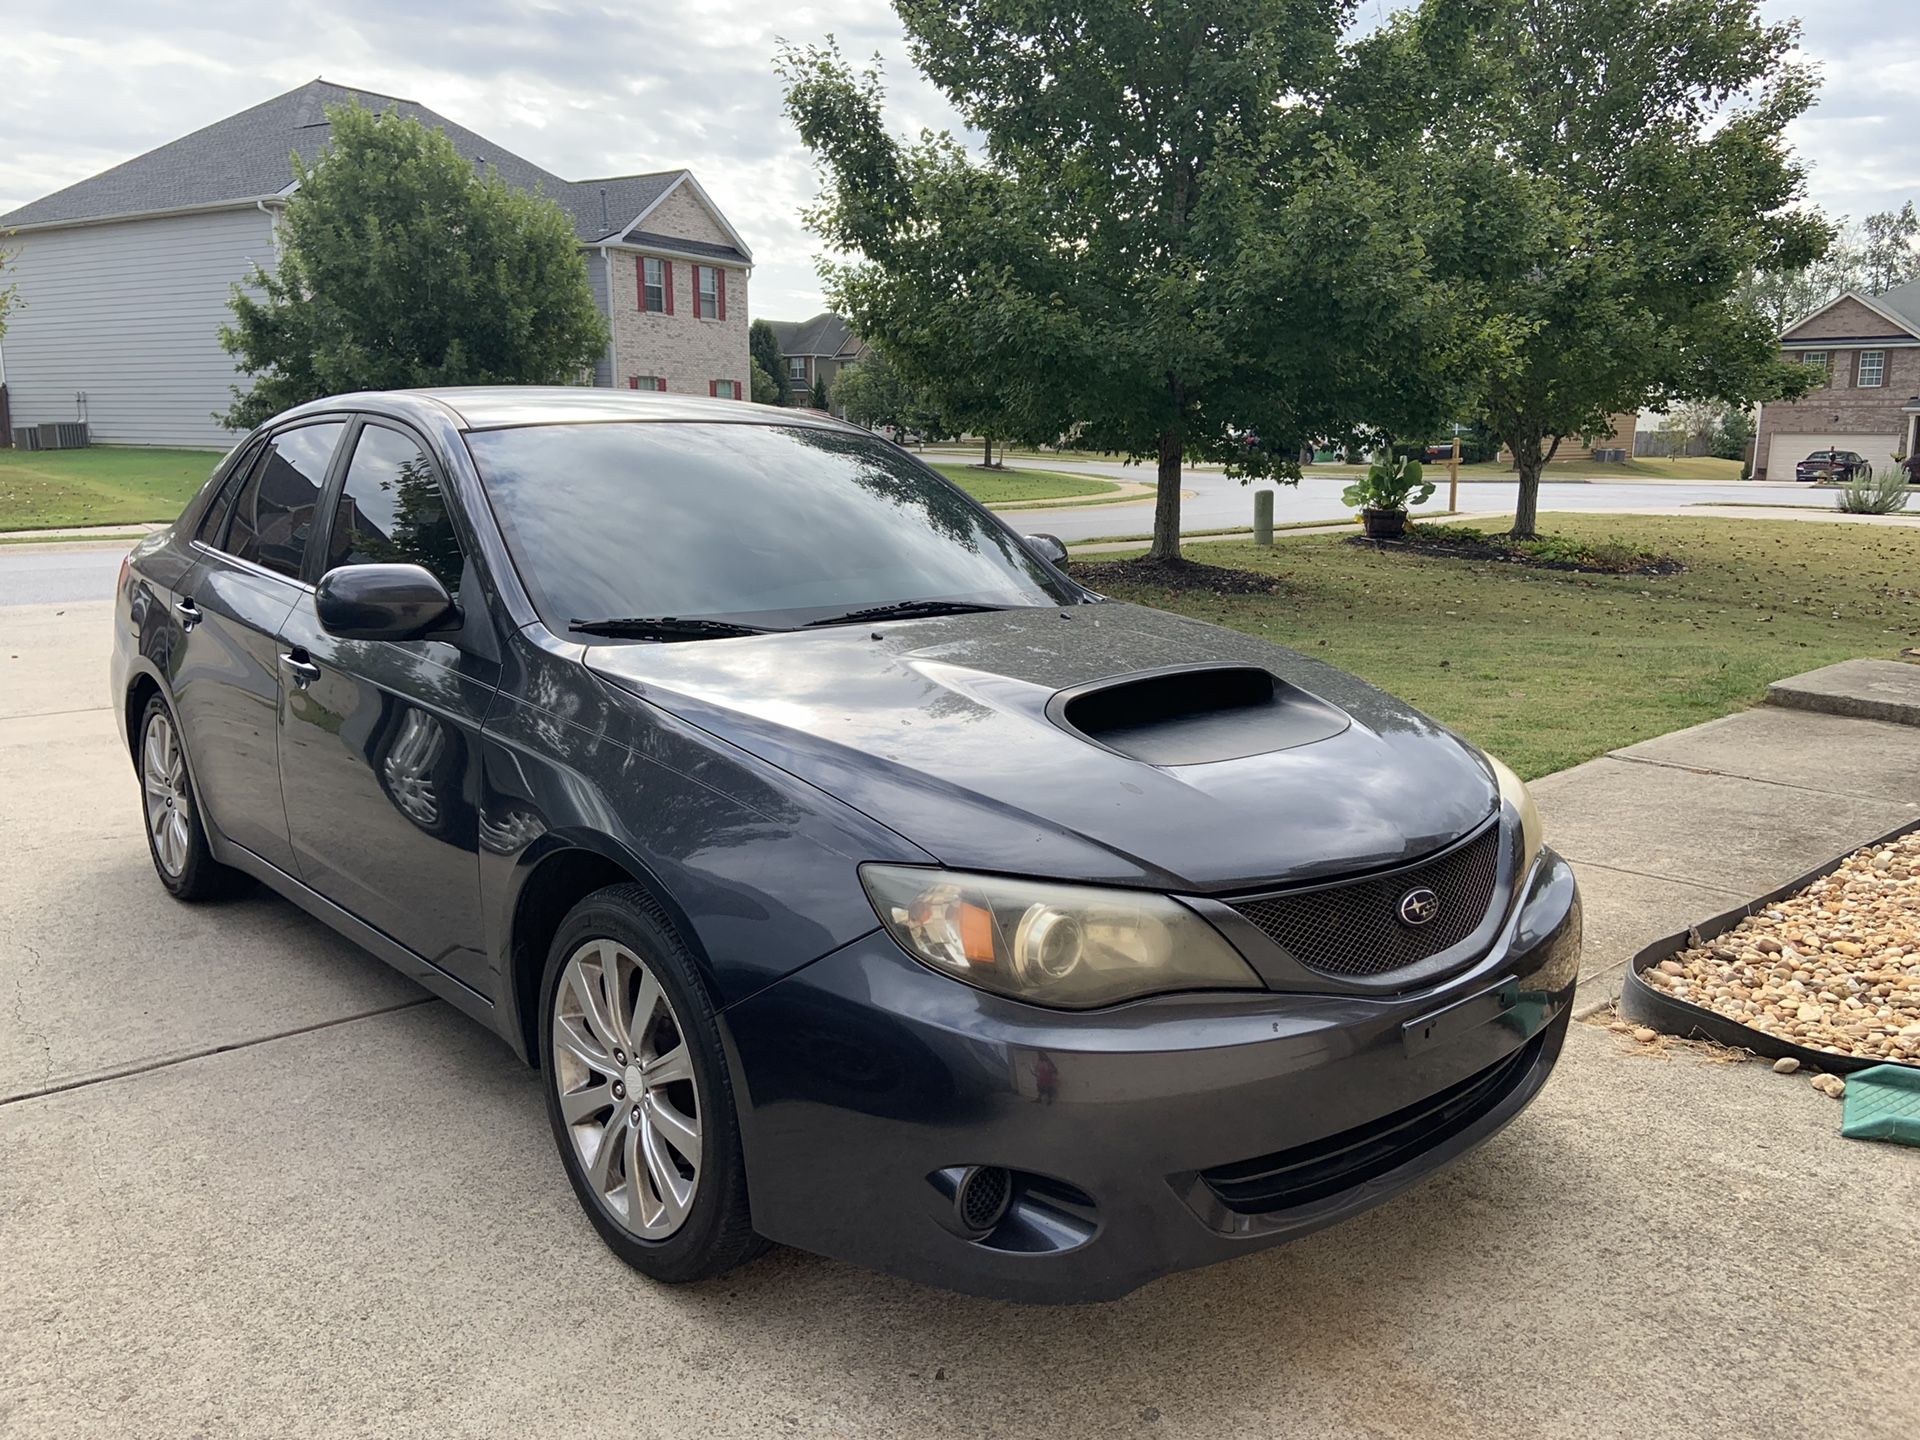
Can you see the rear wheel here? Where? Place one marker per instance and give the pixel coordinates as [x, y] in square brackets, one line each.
[176, 838]
[638, 1091]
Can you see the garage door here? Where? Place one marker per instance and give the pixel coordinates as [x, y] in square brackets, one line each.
[1788, 451]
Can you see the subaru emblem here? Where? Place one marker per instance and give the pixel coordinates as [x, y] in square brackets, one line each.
[1419, 906]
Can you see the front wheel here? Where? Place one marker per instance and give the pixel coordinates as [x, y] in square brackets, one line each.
[638, 1091]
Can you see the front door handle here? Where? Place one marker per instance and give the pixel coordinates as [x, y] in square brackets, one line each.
[188, 612]
[299, 668]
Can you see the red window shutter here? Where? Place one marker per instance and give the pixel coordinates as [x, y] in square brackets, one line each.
[660, 382]
[640, 277]
[720, 290]
[713, 387]
[666, 282]
[633, 382]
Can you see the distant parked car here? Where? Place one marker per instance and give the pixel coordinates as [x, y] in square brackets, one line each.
[1439, 450]
[1830, 465]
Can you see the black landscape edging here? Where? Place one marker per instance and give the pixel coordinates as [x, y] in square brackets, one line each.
[1645, 1004]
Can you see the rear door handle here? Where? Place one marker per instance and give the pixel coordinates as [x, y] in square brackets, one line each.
[302, 671]
[188, 612]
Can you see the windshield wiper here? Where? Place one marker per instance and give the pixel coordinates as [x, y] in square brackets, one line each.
[907, 610]
[666, 627]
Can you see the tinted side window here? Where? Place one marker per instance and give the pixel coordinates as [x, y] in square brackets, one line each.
[273, 517]
[391, 510]
[213, 524]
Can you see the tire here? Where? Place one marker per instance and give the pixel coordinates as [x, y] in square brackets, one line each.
[176, 838]
[632, 1186]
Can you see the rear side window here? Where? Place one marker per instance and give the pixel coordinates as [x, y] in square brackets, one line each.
[273, 517]
[391, 510]
[213, 524]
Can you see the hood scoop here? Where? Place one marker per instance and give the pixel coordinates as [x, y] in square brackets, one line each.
[1195, 714]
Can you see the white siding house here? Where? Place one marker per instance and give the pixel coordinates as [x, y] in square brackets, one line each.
[124, 278]
[115, 322]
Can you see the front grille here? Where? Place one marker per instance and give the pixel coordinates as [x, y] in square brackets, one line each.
[1354, 930]
[1306, 1173]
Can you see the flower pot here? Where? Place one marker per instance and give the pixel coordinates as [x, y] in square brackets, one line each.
[1384, 524]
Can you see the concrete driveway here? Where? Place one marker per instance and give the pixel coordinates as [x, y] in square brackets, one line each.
[252, 1183]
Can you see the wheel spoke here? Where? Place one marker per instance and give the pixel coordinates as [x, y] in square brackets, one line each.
[601, 1166]
[615, 988]
[645, 1006]
[675, 1191]
[676, 1064]
[569, 1041]
[177, 840]
[680, 1132]
[586, 1102]
[643, 1209]
[593, 1006]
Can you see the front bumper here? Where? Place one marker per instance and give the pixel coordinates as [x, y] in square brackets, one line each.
[1150, 1137]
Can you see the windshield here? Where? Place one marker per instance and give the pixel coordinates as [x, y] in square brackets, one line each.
[772, 526]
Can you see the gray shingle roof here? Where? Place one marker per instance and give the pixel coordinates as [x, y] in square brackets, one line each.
[245, 157]
[1903, 303]
[825, 334]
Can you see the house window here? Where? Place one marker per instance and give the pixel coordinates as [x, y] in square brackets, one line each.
[1816, 357]
[646, 382]
[796, 367]
[1873, 369]
[709, 292]
[724, 389]
[653, 285]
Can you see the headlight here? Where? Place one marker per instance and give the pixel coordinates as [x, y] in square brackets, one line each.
[1069, 946]
[1513, 790]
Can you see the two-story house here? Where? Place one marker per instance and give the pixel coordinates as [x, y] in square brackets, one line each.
[816, 350]
[1867, 349]
[124, 278]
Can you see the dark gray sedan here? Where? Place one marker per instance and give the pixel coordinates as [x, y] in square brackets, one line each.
[855, 878]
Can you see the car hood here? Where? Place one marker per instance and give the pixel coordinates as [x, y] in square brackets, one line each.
[949, 731]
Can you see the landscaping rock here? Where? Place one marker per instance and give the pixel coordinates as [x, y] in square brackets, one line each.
[1834, 968]
[1785, 1065]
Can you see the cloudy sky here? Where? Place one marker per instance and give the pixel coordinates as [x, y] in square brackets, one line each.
[586, 90]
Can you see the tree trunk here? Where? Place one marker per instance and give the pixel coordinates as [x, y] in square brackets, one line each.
[988, 462]
[1166, 504]
[1527, 460]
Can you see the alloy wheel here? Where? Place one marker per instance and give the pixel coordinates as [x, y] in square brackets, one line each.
[624, 1074]
[163, 778]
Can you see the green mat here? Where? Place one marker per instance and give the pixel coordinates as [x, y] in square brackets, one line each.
[1883, 1103]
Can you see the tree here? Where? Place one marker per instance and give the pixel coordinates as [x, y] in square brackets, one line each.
[9, 294]
[1617, 208]
[1160, 248]
[764, 389]
[764, 345]
[399, 266]
[1888, 256]
[817, 397]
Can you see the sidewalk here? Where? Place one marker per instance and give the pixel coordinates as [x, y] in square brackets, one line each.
[1677, 829]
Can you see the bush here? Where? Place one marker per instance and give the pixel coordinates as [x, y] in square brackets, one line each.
[1389, 484]
[1868, 494]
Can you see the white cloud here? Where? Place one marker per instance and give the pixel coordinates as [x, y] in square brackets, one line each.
[603, 90]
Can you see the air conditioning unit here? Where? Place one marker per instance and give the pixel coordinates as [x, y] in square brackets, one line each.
[26, 437]
[63, 434]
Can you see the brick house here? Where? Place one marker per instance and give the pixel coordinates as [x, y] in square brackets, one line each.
[1868, 350]
[124, 277]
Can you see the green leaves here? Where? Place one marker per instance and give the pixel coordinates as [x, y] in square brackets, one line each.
[400, 267]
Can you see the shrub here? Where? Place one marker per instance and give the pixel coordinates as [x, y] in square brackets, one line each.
[1870, 494]
[1389, 484]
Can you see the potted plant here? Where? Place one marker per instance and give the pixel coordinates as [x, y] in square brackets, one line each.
[1384, 492]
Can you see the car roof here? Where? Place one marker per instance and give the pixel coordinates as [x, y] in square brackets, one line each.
[493, 407]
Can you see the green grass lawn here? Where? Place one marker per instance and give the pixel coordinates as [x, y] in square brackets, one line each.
[104, 485]
[1549, 668]
[993, 487]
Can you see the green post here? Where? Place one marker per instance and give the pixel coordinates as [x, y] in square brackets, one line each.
[1263, 517]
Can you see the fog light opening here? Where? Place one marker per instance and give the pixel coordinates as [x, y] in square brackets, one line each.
[981, 1199]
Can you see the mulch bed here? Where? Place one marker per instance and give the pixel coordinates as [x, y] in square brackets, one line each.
[1546, 554]
[1182, 575]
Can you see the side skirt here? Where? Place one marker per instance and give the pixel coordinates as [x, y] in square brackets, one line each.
[417, 968]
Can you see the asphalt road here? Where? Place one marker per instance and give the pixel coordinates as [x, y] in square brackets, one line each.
[254, 1183]
[58, 575]
[1213, 500]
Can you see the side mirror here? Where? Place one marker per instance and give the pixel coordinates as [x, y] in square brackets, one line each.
[1050, 548]
[383, 602]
